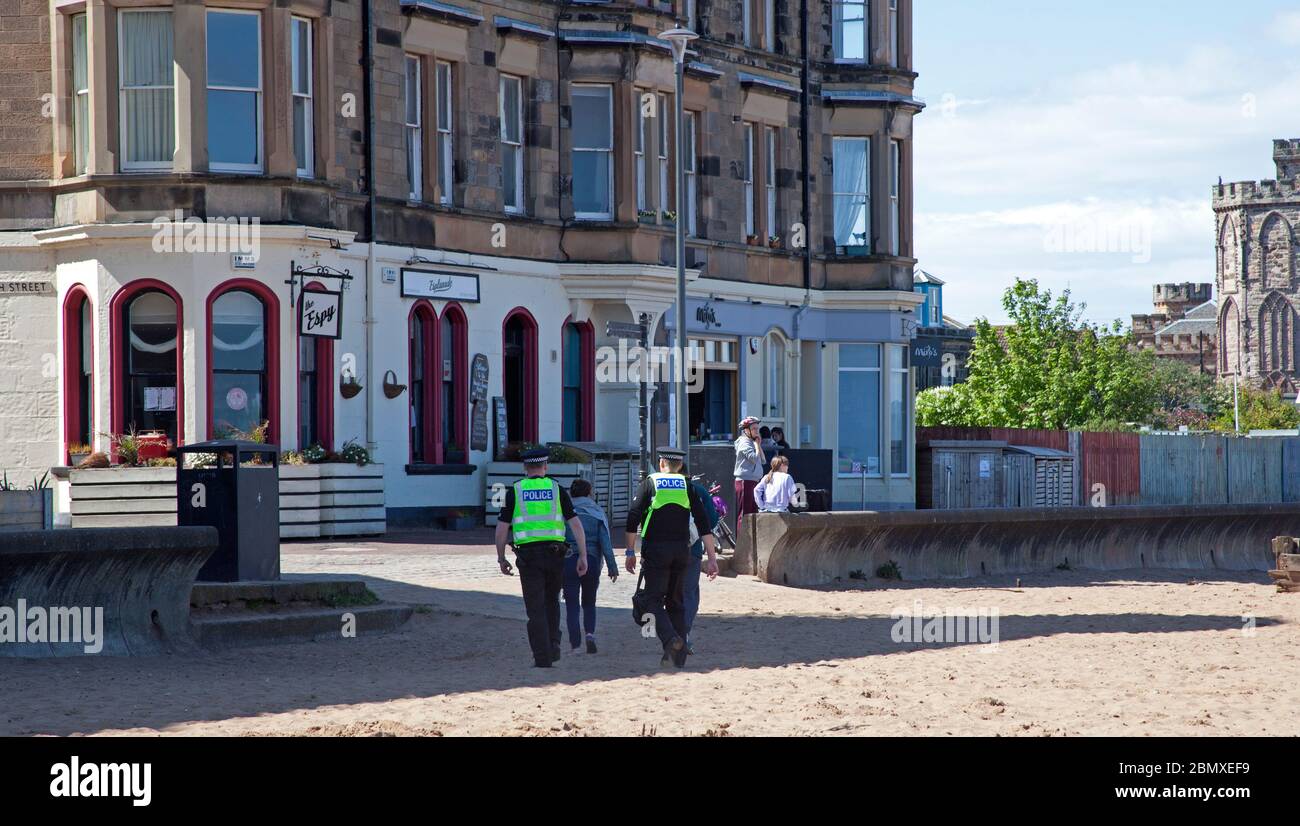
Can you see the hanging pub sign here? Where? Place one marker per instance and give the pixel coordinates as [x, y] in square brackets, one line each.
[443, 286]
[320, 314]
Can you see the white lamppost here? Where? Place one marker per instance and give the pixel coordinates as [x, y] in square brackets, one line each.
[679, 38]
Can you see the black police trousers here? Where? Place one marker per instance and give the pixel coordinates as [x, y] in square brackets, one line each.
[541, 575]
[664, 564]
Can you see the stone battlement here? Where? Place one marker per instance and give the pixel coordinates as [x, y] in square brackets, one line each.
[1243, 193]
[1286, 155]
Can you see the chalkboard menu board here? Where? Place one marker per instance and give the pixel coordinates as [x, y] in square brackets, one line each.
[478, 426]
[499, 418]
[478, 379]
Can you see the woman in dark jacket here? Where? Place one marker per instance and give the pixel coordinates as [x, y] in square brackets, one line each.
[580, 591]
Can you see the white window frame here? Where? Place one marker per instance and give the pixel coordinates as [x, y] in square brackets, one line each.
[747, 173]
[747, 23]
[80, 94]
[882, 409]
[257, 92]
[866, 186]
[665, 204]
[769, 25]
[895, 186]
[837, 32]
[607, 151]
[517, 208]
[769, 178]
[638, 149]
[689, 165]
[414, 129]
[443, 81]
[141, 166]
[774, 386]
[307, 27]
[898, 381]
[936, 312]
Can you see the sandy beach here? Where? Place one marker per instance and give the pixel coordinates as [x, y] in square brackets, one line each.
[1078, 653]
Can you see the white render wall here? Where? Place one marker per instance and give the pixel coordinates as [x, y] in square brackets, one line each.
[30, 428]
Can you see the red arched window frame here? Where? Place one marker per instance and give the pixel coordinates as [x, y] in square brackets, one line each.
[73, 426]
[272, 306]
[587, 343]
[325, 377]
[423, 314]
[455, 316]
[530, 367]
[117, 350]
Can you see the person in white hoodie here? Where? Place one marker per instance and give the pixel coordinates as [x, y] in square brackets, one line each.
[775, 490]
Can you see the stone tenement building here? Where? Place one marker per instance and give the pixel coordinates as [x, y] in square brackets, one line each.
[496, 182]
[1184, 326]
[1257, 261]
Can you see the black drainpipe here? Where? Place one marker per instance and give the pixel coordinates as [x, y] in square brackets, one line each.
[806, 160]
[367, 80]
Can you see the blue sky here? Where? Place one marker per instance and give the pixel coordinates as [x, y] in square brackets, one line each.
[1077, 143]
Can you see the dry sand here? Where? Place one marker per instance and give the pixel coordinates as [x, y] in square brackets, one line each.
[1136, 653]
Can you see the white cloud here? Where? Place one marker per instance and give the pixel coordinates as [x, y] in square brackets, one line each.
[1286, 27]
[1024, 187]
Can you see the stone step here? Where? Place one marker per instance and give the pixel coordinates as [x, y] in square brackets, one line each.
[216, 630]
[326, 592]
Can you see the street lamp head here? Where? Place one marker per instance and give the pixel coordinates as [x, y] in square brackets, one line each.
[678, 38]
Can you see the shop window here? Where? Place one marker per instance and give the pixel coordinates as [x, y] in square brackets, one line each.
[453, 356]
[78, 367]
[234, 91]
[420, 341]
[592, 128]
[859, 410]
[579, 382]
[242, 380]
[146, 89]
[519, 375]
[898, 408]
[315, 389]
[303, 93]
[852, 192]
[713, 365]
[147, 359]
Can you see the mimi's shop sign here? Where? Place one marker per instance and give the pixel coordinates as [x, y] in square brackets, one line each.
[26, 288]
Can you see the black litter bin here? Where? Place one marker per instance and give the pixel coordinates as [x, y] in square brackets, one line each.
[819, 501]
[234, 487]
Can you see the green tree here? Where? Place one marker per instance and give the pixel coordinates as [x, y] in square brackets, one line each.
[1049, 369]
[1260, 410]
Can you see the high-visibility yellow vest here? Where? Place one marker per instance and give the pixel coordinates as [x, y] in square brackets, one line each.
[670, 489]
[537, 516]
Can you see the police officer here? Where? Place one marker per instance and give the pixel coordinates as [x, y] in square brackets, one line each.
[662, 512]
[532, 519]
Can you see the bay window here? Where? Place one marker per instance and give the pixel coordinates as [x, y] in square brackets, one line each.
[234, 48]
[769, 179]
[592, 128]
[852, 192]
[512, 143]
[666, 203]
[446, 151]
[747, 171]
[858, 449]
[303, 82]
[146, 89]
[413, 128]
[638, 148]
[689, 163]
[80, 95]
[895, 36]
[850, 29]
[895, 176]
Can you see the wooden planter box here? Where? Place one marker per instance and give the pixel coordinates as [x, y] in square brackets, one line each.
[507, 473]
[315, 500]
[26, 510]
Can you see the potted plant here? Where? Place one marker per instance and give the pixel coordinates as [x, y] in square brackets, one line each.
[669, 216]
[646, 216]
[774, 242]
[78, 453]
[753, 240]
